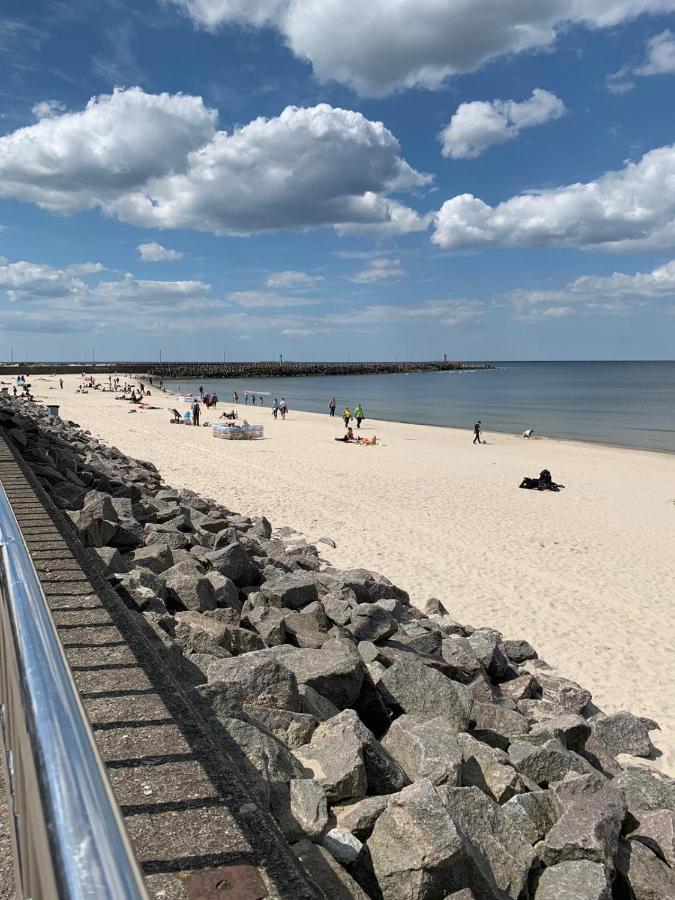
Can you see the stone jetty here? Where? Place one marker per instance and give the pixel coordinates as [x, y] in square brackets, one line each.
[182, 370]
[404, 756]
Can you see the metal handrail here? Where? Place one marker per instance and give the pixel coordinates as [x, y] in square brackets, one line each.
[69, 838]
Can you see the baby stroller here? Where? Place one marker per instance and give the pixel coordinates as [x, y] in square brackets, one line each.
[176, 419]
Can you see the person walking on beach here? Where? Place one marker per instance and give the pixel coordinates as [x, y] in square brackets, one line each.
[275, 407]
[358, 415]
[195, 413]
[477, 432]
[331, 407]
[61, 383]
[201, 391]
[347, 416]
[283, 408]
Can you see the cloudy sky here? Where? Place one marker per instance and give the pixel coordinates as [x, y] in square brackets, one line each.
[333, 178]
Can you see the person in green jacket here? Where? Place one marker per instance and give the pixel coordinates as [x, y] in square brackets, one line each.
[358, 415]
[347, 416]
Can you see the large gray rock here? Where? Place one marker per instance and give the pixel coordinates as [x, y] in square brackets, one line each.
[308, 629]
[369, 622]
[263, 759]
[418, 689]
[498, 725]
[578, 880]
[425, 748]
[562, 693]
[112, 561]
[461, 658]
[174, 540]
[188, 588]
[225, 591]
[336, 674]
[270, 624]
[646, 789]
[329, 877]
[416, 851]
[339, 769]
[524, 687]
[535, 813]
[649, 877]
[496, 779]
[623, 732]
[156, 557]
[589, 829]
[315, 705]
[291, 591]
[292, 728]
[657, 831]
[360, 817]
[233, 562]
[309, 807]
[500, 855]
[487, 646]
[571, 730]
[519, 651]
[262, 680]
[347, 738]
[343, 845]
[142, 590]
[548, 762]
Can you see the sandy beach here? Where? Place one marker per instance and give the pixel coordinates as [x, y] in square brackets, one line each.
[586, 575]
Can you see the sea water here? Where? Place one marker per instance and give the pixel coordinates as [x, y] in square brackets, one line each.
[626, 403]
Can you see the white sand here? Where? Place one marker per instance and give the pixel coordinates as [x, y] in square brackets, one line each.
[586, 575]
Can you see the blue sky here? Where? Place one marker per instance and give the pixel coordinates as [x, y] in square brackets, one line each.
[327, 178]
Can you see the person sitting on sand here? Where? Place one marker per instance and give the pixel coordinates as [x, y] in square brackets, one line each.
[229, 415]
[348, 438]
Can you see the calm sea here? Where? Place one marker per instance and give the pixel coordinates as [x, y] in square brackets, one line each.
[627, 403]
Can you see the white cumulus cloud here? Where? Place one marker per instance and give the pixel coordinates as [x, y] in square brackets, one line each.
[46, 109]
[660, 55]
[79, 160]
[211, 14]
[154, 252]
[618, 293]
[625, 210]
[157, 161]
[384, 269]
[290, 280]
[477, 125]
[382, 45]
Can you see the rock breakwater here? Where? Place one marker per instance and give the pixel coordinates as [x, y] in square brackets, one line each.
[177, 371]
[403, 754]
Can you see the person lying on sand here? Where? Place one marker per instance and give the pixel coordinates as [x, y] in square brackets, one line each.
[544, 483]
[367, 441]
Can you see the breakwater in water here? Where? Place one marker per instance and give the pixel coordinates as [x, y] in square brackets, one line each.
[269, 369]
[172, 371]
